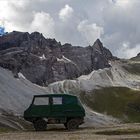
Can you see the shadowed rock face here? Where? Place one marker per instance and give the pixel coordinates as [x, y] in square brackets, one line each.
[138, 55]
[43, 61]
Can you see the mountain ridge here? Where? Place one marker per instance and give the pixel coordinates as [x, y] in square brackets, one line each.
[51, 61]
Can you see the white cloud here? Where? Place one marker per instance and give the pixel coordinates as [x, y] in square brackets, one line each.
[126, 51]
[79, 22]
[121, 24]
[44, 23]
[122, 3]
[66, 12]
[13, 14]
[90, 31]
[19, 3]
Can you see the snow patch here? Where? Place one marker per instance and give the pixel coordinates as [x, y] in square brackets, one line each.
[42, 57]
[20, 75]
[60, 60]
[64, 59]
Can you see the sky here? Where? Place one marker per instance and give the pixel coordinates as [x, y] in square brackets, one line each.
[2, 32]
[79, 22]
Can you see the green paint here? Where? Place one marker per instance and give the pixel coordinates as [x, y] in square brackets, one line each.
[70, 108]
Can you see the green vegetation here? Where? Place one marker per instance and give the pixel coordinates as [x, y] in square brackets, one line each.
[132, 67]
[119, 102]
[119, 132]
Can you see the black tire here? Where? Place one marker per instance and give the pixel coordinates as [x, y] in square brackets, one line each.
[72, 124]
[40, 125]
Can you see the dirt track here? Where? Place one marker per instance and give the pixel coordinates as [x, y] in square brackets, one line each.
[81, 134]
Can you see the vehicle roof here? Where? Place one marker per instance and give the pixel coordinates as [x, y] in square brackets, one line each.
[55, 95]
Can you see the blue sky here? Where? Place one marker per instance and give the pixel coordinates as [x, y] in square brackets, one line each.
[2, 31]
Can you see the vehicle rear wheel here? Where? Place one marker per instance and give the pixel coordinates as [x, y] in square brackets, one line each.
[72, 124]
[40, 125]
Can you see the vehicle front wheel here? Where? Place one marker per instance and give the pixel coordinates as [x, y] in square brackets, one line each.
[40, 125]
[72, 124]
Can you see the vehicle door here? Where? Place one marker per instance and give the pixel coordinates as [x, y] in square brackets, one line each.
[41, 107]
[57, 106]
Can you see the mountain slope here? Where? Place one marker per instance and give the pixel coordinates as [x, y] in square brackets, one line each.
[16, 95]
[119, 102]
[113, 91]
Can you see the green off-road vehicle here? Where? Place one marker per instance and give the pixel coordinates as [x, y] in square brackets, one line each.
[55, 109]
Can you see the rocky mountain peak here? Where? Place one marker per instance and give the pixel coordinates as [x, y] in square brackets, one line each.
[98, 46]
[98, 42]
[67, 45]
[43, 61]
[36, 36]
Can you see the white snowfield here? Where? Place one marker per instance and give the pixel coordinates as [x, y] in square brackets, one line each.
[16, 94]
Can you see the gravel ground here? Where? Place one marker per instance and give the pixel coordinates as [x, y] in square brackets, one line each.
[81, 134]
